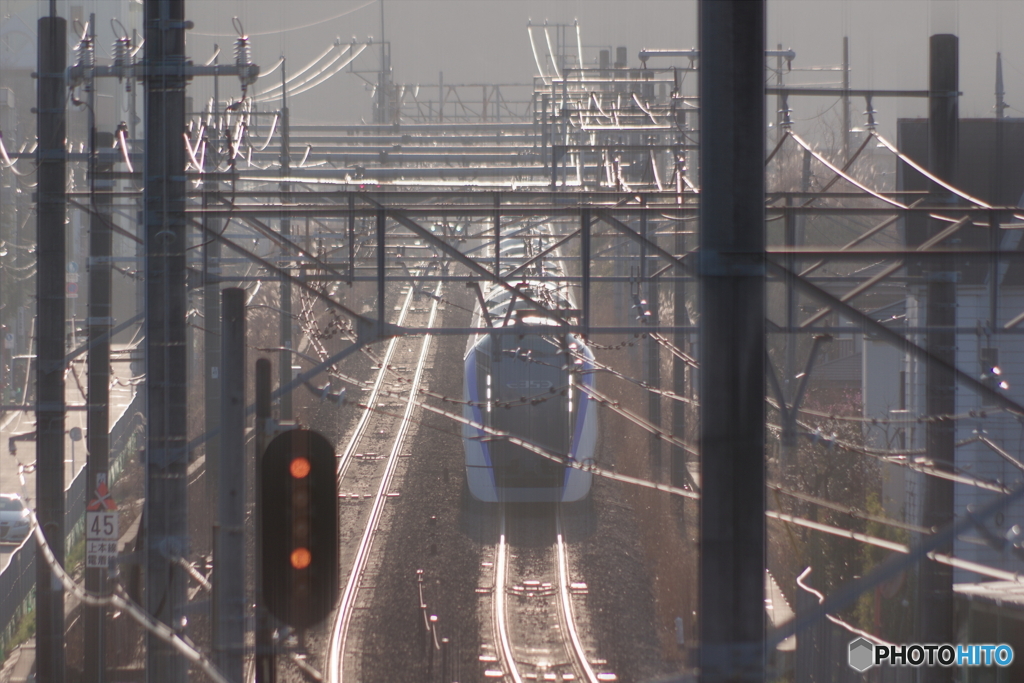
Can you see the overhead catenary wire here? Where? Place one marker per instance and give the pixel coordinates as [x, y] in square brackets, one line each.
[298, 74]
[838, 171]
[818, 526]
[325, 73]
[942, 558]
[121, 601]
[7, 159]
[317, 81]
[536, 57]
[289, 29]
[551, 52]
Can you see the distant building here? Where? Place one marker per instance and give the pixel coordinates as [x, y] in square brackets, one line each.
[989, 294]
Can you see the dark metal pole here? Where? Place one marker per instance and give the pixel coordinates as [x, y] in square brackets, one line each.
[652, 358]
[497, 233]
[212, 225]
[732, 346]
[266, 669]
[100, 322]
[50, 291]
[166, 506]
[680, 318]
[936, 581]
[284, 368]
[351, 238]
[229, 538]
[585, 247]
[381, 279]
[846, 98]
[793, 235]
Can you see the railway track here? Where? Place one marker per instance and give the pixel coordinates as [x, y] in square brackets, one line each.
[366, 472]
[533, 604]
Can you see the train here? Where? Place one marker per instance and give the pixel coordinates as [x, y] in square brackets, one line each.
[528, 378]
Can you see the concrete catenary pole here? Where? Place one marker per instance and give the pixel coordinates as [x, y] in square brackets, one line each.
[935, 599]
[732, 348]
[265, 665]
[212, 225]
[50, 283]
[284, 368]
[229, 606]
[166, 506]
[100, 322]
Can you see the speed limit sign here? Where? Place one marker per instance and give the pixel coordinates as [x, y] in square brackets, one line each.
[100, 538]
[101, 532]
[101, 526]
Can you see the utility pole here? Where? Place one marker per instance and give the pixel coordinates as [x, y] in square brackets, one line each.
[166, 507]
[211, 297]
[680, 318]
[732, 348]
[793, 235]
[100, 321]
[229, 606]
[266, 667]
[846, 98]
[1000, 92]
[284, 370]
[648, 291]
[384, 83]
[935, 599]
[50, 317]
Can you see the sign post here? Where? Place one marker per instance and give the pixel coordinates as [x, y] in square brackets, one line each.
[101, 527]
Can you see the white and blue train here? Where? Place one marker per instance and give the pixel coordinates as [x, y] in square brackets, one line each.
[528, 379]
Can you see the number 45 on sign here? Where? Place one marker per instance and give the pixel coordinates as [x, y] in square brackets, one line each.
[101, 532]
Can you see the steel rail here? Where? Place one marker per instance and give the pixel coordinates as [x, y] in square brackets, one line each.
[571, 642]
[346, 456]
[343, 618]
[568, 617]
[498, 606]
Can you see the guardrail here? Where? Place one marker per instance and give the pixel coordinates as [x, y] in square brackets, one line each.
[18, 578]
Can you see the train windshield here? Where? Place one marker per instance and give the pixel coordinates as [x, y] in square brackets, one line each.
[530, 393]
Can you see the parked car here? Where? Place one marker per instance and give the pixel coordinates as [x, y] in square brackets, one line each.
[14, 519]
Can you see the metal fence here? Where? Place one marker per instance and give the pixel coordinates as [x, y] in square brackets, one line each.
[18, 578]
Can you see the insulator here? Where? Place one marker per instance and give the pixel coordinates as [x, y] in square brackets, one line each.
[86, 53]
[243, 56]
[243, 60]
[121, 52]
[124, 60]
[86, 58]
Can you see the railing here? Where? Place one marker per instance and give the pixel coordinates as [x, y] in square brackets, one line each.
[18, 578]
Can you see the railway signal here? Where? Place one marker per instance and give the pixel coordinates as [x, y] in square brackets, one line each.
[299, 538]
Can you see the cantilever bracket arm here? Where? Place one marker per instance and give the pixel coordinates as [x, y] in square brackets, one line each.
[639, 239]
[819, 339]
[483, 304]
[789, 411]
[773, 380]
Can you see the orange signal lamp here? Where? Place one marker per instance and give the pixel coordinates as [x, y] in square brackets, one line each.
[301, 558]
[300, 468]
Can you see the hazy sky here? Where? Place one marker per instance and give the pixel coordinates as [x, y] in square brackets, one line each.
[474, 41]
[486, 41]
